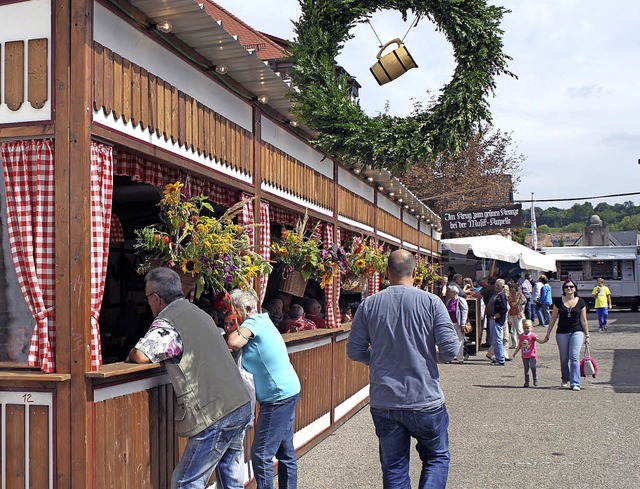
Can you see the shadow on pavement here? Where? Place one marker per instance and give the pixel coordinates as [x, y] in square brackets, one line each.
[625, 377]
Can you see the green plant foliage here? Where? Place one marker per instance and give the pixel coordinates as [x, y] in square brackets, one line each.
[396, 143]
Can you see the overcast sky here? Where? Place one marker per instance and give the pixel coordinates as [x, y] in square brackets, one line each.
[574, 110]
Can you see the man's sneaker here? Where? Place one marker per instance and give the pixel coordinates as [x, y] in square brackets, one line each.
[535, 383]
[564, 384]
[525, 385]
[600, 329]
[497, 363]
[605, 327]
[575, 388]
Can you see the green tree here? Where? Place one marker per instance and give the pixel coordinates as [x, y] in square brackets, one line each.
[628, 223]
[484, 174]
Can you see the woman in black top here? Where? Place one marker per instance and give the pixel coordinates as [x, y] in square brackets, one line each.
[573, 329]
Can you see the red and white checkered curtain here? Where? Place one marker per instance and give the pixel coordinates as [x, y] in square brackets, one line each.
[329, 299]
[373, 284]
[246, 218]
[101, 198]
[265, 245]
[116, 234]
[29, 180]
[143, 170]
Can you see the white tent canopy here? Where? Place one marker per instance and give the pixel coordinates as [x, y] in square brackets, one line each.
[500, 248]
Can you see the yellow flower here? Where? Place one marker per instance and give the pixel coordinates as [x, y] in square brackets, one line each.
[360, 263]
[189, 266]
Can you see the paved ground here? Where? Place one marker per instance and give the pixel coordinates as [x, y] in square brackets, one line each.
[505, 436]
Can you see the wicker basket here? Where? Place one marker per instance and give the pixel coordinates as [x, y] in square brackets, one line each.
[352, 283]
[187, 280]
[293, 283]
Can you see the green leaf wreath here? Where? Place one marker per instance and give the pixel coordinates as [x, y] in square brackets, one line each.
[396, 143]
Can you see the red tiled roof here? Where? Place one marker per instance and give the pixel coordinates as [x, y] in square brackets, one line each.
[265, 48]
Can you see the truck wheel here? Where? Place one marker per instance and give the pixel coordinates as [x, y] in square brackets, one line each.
[634, 308]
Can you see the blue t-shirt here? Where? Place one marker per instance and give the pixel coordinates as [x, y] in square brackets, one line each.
[266, 357]
[395, 332]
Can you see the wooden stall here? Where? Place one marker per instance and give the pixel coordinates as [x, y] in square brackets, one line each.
[99, 109]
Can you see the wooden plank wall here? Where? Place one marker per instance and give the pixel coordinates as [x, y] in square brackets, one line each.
[349, 376]
[24, 421]
[313, 368]
[16, 57]
[139, 449]
[389, 224]
[129, 92]
[355, 207]
[286, 173]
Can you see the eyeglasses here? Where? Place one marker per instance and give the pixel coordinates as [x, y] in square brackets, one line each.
[569, 287]
[149, 295]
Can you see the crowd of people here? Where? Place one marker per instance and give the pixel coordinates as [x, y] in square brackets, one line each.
[207, 364]
[509, 311]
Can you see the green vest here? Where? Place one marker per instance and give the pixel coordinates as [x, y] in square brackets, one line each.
[206, 381]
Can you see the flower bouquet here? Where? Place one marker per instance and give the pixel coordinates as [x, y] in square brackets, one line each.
[301, 252]
[363, 261]
[215, 253]
[426, 274]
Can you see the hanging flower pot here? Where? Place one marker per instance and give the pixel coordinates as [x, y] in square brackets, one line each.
[293, 282]
[353, 283]
[187, 280]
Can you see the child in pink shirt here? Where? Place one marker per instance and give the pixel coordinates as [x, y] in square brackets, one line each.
[527, 343]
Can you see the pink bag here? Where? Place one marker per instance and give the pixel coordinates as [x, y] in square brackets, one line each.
[588, 365]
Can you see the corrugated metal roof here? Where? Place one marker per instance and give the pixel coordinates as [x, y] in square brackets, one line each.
[196, 28]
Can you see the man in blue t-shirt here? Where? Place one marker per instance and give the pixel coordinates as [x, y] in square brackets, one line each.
[395, 332]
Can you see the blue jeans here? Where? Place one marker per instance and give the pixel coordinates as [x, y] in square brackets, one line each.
[543, 314]
[395, 428]
[569, 345]
[218, 445]
[603, 316]
[497, 340]
[274, 438]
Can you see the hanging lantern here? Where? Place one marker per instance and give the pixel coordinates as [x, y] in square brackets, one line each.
[393, 64]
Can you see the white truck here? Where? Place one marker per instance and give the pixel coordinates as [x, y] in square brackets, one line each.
[619, 266]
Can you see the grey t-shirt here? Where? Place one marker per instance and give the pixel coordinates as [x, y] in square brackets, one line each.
[395, 332]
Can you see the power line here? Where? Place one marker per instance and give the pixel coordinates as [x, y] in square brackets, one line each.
[578, 198]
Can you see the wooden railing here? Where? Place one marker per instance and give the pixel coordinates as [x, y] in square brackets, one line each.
[135, 441]
[354, 207]
[389, 224]
[131, 93]
[286, 173]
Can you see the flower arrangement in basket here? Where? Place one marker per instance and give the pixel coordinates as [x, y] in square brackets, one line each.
[215, 253]
[426, 273]
[301, 250]
[363, 260]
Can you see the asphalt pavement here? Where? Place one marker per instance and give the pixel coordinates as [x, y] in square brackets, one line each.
[505, 436]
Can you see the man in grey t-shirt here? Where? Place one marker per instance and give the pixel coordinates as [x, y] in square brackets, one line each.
[395, 333]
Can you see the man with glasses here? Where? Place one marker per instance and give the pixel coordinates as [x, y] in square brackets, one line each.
[213, 405]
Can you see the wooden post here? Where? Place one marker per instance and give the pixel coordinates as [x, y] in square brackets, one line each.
[73, 40]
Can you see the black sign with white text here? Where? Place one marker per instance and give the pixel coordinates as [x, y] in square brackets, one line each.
[469, 220]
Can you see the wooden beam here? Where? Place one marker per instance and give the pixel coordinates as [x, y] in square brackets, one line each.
[61, 55]
[80, 117]
[73, 54]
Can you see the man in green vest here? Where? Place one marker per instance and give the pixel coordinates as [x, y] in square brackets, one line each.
[213, 405]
